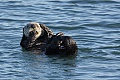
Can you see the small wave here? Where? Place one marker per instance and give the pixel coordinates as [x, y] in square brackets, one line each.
[115, 52]
[109, 47]
[94, 1]
[68, 27]
[11, 1]
[8, 19]
[116, 0]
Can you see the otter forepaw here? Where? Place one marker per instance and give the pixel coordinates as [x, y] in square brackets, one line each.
[60, 34]
[32, 33]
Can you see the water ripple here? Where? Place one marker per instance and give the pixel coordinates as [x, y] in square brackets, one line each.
[93, 24]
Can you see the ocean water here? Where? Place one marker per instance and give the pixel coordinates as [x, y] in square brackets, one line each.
[93, 24]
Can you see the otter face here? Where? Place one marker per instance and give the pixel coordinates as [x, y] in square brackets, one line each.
[32, 26]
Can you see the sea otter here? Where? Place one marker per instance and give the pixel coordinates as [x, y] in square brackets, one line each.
[36, 36]
[61, 45]
[39, 37]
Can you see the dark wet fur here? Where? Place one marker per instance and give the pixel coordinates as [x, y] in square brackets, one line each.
[63, 45]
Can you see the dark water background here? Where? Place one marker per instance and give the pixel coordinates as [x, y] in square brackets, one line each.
[94, 24]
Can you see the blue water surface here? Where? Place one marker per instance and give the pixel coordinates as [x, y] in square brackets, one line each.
[93, 24]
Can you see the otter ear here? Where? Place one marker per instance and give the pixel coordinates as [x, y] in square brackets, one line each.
[46, 30]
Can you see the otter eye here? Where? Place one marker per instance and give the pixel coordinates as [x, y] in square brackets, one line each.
[36, 32]
[32, 26]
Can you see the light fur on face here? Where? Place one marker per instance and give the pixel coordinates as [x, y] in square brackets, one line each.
[32, 26]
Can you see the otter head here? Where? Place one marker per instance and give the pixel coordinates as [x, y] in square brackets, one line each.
[32, 26]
